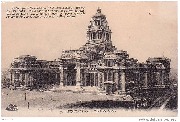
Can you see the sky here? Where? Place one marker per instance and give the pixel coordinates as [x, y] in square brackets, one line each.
[143, 29]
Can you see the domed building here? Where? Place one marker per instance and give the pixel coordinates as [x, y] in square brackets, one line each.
[99, 63]
[96, 64]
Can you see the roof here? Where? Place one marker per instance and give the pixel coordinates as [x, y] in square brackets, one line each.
[157, 59]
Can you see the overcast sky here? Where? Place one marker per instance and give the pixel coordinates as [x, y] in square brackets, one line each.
[143, 29]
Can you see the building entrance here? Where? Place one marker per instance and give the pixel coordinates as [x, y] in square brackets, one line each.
[71, 75]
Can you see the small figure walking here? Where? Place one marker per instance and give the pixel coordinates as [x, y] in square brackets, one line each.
[25, 96]
[28, 105]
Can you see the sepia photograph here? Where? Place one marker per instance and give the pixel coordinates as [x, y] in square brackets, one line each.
[89, 59]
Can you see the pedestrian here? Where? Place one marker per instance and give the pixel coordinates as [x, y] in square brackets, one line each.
[25, 96]
[28, 105]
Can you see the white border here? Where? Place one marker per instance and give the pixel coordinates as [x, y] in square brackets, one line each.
[85, 119]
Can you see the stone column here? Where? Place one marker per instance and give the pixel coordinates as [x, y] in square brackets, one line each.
[102, 80]
[94, 79]
[16, 78]
[145, 80]
[123, 81]
[105, 36]
[26, 79]
[116, 79]
[31, 80]
[158, 78]
[162, 78]
[78, 72]
[97, 82]
[99, 79]
[78, 77]
[20, 77]
[85, 78]
[61, 75]
[107, 76]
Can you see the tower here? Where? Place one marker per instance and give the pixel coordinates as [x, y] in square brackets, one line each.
[99, 34]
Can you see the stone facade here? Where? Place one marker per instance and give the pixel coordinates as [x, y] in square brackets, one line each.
[27, 71]
[97, 63]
